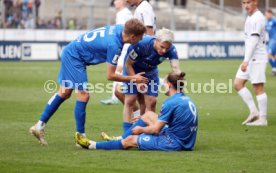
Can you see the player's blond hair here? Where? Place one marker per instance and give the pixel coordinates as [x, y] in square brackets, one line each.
[165, 35]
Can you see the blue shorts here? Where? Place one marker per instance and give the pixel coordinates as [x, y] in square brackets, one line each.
[161, 142]
[150, 89]
[272, 47]
[72, 72]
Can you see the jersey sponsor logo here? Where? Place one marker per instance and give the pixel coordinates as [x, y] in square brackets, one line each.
[133, 55]
[161, 59]
[115, 59]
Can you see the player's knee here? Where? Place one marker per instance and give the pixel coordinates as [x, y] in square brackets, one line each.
[151, 104]
[238, 85]
[65, 94]
[83, 96]
[129, 102]
[258, 88]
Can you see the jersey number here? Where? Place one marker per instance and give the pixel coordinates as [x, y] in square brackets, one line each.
[193, 110]
[99, 31]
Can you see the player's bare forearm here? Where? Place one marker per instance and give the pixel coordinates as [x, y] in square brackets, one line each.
[151, 129]
[112, 76]
[175, 66]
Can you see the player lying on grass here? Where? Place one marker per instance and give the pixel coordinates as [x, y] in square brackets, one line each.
[149, 132]
[91, 48]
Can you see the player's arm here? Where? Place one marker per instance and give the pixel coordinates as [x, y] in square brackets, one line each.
[129, 68]
[149, 21]
[113, 53]
[151, 129]
[250, 48]
[252, 43]
[175, 65]
[111, 75]
[174, 60]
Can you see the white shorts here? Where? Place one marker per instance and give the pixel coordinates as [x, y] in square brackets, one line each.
[255, 73]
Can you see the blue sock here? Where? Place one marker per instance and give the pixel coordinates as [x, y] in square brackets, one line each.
[140, 122]
[271, 62]
[126, 126]
[80, 115]
[110, 145]
[51, 107]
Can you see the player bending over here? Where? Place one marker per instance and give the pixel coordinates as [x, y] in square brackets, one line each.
[150, 133]
[94, 47]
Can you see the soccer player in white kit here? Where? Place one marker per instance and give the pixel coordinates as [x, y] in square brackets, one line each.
[144, 12]
[123, 14]
[253, 66]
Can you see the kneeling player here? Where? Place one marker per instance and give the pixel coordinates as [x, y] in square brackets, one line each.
[150, 133]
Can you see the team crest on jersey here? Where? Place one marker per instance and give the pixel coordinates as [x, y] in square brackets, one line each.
[115, 59]
[161, 59]
[133, 54]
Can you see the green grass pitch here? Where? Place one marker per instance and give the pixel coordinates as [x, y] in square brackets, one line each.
[222, 145]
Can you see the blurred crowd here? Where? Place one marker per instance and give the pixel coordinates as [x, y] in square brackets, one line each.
[20, 13]
[24, 14]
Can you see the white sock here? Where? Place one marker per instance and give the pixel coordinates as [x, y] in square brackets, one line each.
[136, 113]
[119, 137]
[92, 145]
[248, 99]
[40, 125]
[113, 91]
[262, 103]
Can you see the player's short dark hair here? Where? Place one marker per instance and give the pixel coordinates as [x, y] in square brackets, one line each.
[177, 80]
[269, 11]
[134, 26]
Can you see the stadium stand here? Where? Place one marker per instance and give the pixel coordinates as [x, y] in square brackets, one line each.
[86, 14]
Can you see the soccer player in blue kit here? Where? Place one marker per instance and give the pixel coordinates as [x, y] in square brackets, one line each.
[271, 29]
[145, 56]
[91, 48]
[178, 112]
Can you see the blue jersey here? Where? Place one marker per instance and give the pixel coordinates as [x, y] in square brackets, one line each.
[180, 114]
[271, 28]
[145, 57]
[98, 46]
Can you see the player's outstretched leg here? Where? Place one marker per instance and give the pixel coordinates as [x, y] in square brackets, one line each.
[53, 104]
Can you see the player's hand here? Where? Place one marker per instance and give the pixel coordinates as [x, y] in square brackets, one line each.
[137, 130]
[135, 119]
[142, 88]
[139, 78]
[244, 66]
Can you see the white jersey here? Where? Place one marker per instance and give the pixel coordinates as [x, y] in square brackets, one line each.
[145, 14]
[123, 15]
[255, 25]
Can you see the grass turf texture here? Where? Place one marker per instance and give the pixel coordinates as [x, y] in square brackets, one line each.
[223, 145]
